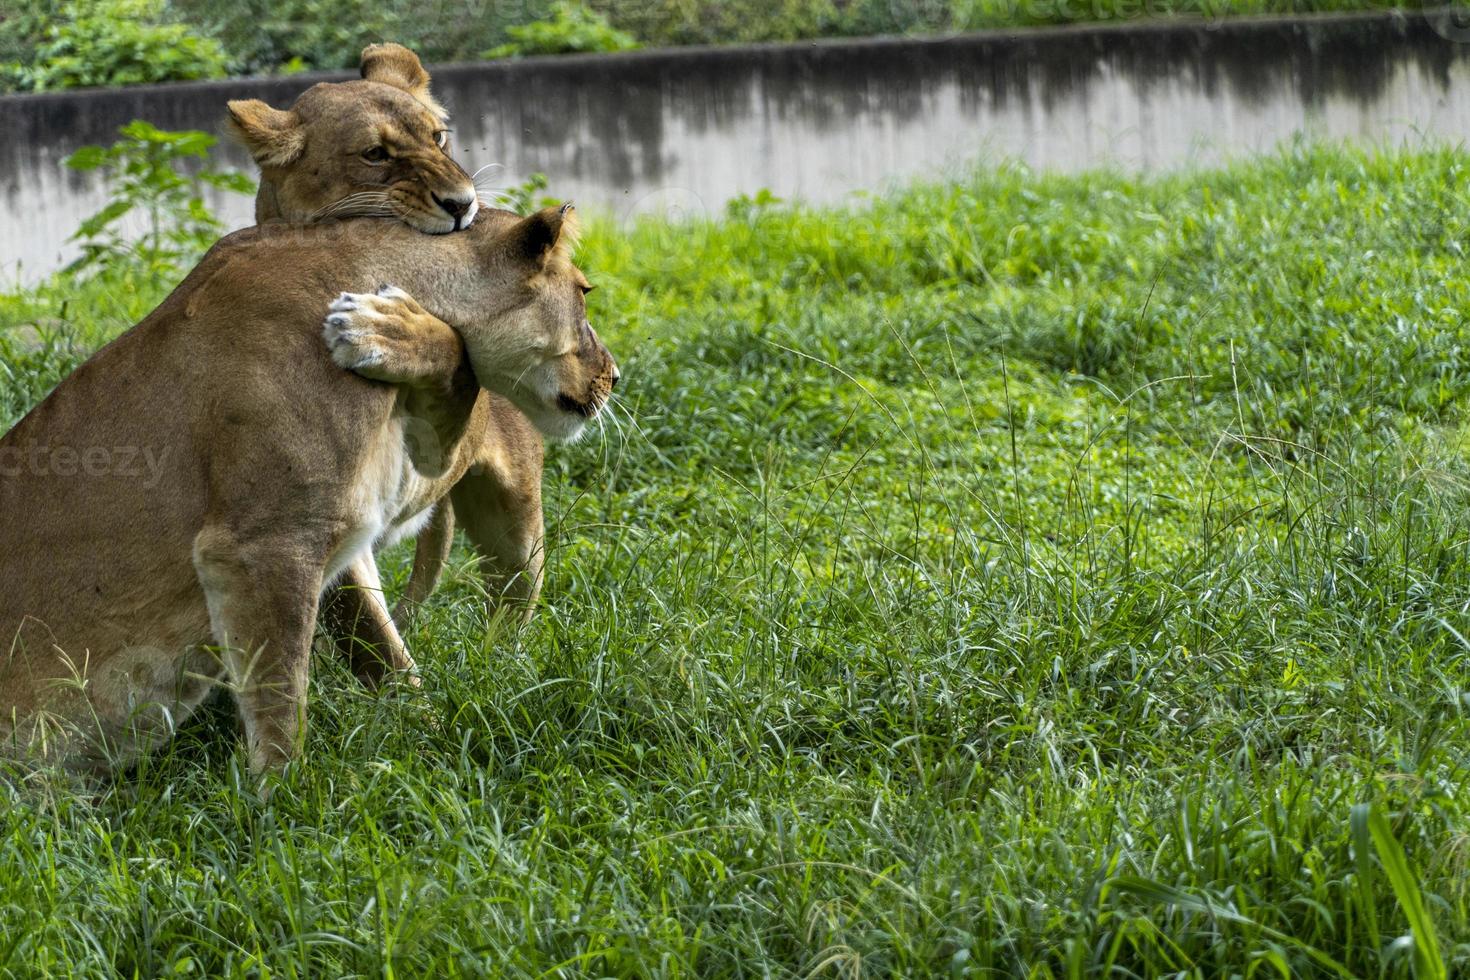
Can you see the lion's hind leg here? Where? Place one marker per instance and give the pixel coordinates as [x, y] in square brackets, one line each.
[354, 613]
[504, 523]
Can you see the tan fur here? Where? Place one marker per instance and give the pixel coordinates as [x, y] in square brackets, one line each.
[127, 591]
[393, 64]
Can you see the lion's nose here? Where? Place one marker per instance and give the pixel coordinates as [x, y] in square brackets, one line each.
[453, 206]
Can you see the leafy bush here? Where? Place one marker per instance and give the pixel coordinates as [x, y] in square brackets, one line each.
[723, 21]
[665, 22]
[264, 35]
[22, 30]
[63, 43]
[144, 175]
[573, 28]
[109, 42]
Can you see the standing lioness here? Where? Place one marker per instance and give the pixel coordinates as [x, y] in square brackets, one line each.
[126, 593]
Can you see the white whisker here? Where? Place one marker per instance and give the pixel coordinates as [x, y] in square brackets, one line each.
[361, 203]
[474, 176]
[633, 421]
[517, 382]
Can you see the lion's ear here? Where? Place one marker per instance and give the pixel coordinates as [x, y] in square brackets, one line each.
[274, 137]
[546, 237]
[393, 64]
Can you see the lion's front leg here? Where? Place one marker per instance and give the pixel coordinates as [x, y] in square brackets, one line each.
[430, 553]
[262, 599]
[387, 336]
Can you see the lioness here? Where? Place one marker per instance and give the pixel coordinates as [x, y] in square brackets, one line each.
[124, 598]
[380, 146]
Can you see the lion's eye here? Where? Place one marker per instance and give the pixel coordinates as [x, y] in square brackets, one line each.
[377, 154]
[442, 138]
[587, 289]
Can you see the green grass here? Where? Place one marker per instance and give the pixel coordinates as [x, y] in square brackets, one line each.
[1048, 576]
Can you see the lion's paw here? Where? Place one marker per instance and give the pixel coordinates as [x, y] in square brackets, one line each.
[387, 336]
[362, 328]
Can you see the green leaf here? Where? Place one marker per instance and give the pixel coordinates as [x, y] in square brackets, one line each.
[88, 158]
[193, 143]
[1362, 847]
[1427, 961]
[232, 181]
[1168, 895]
[110, 213]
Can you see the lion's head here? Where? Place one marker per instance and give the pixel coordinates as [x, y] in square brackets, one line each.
[519, 304]
[378, 146]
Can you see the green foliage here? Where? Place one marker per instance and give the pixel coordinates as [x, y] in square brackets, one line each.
[23, 27]
[273, 35]
[527, 196]
[745, 207]
[572, 28]
[59, 43]
[723, 21]
[1022, 576]
[145, 182]
[666, 22]
[1369, 822]
[109, 42]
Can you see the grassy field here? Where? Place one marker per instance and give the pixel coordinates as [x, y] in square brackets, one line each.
[1021, 576]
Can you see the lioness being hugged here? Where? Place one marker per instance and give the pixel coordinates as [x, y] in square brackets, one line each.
[123, 601]
[380, 146]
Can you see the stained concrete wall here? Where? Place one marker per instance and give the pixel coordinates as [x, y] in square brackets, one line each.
[685, 130]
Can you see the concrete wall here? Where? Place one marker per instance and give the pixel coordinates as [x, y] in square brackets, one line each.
[686, 130]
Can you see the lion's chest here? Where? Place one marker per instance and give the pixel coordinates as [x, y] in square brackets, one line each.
[388, 499]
